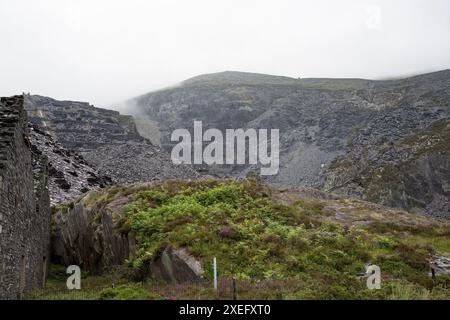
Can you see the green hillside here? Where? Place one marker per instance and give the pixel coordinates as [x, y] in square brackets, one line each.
[310, 243]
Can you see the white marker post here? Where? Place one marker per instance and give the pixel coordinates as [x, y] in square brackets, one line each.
[215, 273]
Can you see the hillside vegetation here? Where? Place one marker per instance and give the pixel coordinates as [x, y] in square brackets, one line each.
[289, 244]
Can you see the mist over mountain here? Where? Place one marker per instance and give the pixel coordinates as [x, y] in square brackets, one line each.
[324, 124]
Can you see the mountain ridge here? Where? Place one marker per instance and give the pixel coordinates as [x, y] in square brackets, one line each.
[207, 76]
[318, 118]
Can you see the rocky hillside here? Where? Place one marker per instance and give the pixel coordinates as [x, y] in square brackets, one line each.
[105, 139]
[69, 174]
[411, 173]
[320, 121]
[282, 243]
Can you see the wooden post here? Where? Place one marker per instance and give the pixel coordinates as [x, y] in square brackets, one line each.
[234, 289]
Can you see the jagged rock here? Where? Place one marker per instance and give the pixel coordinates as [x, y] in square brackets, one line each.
[69, 174]
[63, 184]
[440, 266]
[412, 174]
[176, 266]
[89, 236]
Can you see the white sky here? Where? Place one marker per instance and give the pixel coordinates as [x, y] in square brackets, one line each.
[105, 51]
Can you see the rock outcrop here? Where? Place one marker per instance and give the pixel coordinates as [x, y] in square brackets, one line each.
[411, 172]
[440, 266]
[176, 266]
[90, 233]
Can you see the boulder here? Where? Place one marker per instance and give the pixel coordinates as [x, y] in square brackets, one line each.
[440, 266]
[176, 266]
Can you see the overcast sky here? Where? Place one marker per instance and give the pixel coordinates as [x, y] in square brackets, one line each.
[105, 51]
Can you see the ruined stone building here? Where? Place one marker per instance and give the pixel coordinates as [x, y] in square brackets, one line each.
[24, 205]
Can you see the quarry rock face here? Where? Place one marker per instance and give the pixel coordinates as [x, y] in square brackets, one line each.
[70, 175]
[24, 205]
[88, 236]
[411, 173]
[106, 140]
[331, 130]
[89, 233]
